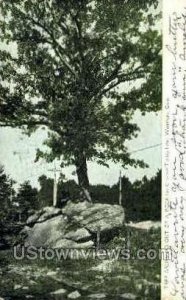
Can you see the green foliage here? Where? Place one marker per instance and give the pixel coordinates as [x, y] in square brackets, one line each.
[6, 190]
[27, 198]
[146, 199]
[45, 193]
[141, 199]
[81, 69]
[66, 190]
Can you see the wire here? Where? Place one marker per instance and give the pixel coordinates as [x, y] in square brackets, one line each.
[146, 148]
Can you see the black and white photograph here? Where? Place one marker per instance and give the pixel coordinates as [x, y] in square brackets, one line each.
[81, 149]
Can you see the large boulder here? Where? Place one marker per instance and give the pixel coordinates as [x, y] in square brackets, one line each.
[75, 226]
[56, 232]
[43, 215]
[94, 217]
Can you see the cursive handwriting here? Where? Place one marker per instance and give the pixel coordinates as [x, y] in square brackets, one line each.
[174, 233]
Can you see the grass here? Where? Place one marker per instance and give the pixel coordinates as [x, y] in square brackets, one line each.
[139, 277]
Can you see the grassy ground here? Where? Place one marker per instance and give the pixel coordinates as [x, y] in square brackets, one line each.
[115, 277]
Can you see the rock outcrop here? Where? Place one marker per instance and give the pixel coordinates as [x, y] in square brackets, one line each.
[104, 217]
[74, 226]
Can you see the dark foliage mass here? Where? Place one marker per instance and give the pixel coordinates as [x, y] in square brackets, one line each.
[27, 199]
[5, 194]
[15, 206]
[141, 199]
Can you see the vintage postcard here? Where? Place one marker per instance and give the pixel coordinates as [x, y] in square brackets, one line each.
[91, 99]
[174, 150]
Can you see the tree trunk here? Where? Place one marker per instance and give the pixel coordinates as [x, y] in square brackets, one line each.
[81, 169]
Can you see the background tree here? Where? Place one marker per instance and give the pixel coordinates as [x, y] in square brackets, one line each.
[7, 209]
[6, 191]
[66, 190]
[45, 193]
[146, 199]
[141, 199]
[27, 198]
[110, 194]
[81, 68]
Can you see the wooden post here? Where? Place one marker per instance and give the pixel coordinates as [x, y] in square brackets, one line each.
[55, 190]
[120, 189]
[11, 194]
[55, 185]
[98, 238]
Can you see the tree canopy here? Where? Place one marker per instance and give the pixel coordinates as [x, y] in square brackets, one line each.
[80, 68]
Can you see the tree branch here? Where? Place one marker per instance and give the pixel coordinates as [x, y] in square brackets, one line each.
[136, 74]
[63, 25]
[79, 34]
[57, 47]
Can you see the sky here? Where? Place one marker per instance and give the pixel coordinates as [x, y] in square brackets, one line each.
[17, 155]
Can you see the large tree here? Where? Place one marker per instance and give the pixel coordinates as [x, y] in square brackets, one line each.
[80, 68]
